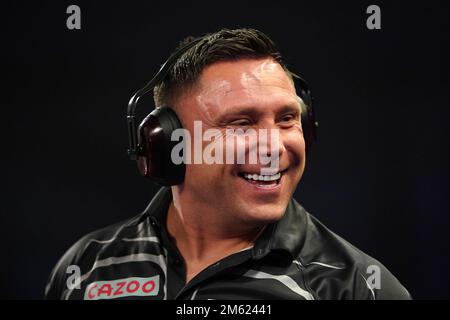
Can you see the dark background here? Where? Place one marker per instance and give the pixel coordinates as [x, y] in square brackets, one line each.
[379, 175]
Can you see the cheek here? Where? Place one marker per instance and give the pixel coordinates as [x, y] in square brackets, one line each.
[205, 174]
[196, 177]
[294, 143]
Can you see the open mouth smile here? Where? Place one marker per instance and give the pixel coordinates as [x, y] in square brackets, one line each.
[263, 181]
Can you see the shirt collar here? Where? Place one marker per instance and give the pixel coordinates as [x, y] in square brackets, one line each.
[287, 234]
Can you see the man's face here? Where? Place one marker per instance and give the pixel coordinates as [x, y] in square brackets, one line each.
[245, 94]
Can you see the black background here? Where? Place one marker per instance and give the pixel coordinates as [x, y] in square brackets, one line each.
[379, 175]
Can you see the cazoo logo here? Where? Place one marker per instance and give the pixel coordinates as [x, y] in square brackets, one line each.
[122, 288]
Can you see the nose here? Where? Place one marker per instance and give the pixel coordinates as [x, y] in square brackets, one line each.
[270, 146]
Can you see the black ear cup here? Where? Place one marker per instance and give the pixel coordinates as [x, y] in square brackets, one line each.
[155, 147]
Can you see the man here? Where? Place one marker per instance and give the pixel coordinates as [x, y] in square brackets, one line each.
[227, 230]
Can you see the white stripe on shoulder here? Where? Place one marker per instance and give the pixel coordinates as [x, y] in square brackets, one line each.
[325, 265]
[368, 286]
[317, 263]
[149, 239]
[285, 280]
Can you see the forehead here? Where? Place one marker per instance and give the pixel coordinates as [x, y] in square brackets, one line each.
[249, 82]
[243, 73]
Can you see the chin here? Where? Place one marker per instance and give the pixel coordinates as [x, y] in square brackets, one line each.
[264, 214]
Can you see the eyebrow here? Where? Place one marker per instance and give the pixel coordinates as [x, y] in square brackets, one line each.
[290, 107]
[251, 111]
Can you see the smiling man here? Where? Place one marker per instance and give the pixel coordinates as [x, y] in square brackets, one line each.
[223, 230]
[218, 211]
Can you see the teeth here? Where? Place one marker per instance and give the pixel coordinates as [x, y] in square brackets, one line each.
[259, 177]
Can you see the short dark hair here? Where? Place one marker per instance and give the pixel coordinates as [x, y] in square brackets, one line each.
[224, 45]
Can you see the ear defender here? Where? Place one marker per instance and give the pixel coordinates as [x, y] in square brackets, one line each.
[151, 145]
[154, 159]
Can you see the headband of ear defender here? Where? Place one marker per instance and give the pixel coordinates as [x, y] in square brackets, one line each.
[151, 144]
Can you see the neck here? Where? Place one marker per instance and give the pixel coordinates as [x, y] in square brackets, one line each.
[202, 235]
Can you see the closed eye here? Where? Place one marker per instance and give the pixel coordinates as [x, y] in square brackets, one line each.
[290, 117]
[240, 122]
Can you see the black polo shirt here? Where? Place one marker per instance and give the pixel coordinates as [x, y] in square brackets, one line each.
[294, 258]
